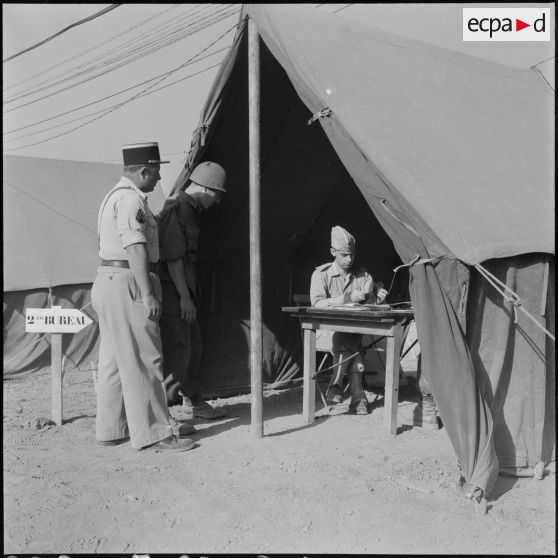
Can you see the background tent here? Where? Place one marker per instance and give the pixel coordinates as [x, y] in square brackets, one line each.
[50, 250]
[431, 158]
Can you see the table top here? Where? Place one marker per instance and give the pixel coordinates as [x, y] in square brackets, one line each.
[361, 313]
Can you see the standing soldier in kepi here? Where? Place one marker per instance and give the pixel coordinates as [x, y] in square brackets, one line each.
[180, 331]
[126, 295]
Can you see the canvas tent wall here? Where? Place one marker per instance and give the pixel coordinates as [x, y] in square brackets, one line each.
[431, 158]
[50, 253]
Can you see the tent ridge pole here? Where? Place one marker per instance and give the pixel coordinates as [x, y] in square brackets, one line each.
[255, 229]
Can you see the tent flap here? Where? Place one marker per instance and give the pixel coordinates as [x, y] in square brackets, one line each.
[511, 359]
[447, 364]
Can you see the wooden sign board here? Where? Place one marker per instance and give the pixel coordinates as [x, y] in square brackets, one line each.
[55, 320]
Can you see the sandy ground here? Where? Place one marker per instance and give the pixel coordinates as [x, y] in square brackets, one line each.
[340, 485]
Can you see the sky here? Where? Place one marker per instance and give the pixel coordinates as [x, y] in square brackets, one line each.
[170, 115]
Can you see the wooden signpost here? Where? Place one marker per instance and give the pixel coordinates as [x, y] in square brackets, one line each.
[56, 321]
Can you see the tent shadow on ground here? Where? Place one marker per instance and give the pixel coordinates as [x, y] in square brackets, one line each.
[233, 422]
[275, 405]
[289, 403]
[503, 484]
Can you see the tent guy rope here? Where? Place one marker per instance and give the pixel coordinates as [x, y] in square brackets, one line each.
[513, 298]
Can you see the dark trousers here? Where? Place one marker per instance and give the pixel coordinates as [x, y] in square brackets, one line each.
[182, 350]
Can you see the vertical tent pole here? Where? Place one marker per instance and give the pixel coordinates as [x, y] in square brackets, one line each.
[255, 252]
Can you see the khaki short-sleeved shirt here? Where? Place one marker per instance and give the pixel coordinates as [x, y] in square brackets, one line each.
[327, 282]
[125, 219]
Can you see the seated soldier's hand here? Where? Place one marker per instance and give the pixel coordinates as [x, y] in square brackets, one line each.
[358, 296]
[381, 296]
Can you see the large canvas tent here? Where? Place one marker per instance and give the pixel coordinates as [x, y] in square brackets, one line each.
[50, 253]
[432, 159]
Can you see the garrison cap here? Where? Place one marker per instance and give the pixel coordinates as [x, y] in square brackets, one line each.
[142, 154]
[342, 240]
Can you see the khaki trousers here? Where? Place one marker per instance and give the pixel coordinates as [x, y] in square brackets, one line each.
[130, 396]
[342, 345]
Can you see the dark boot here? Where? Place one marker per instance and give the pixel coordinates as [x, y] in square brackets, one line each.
[334, 395]
[359, 403]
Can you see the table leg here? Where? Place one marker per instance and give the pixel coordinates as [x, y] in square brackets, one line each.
[309, 389]
[391, 391]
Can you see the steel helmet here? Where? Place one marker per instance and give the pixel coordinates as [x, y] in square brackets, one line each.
[211, 175]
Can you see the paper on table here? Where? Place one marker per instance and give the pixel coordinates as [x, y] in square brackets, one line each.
[357, 306]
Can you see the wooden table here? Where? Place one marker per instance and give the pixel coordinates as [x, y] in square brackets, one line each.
[388, 323]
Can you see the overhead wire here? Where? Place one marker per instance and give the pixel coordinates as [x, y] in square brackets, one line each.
[105, 61]
[109, 96]
[103, 98]
[112, 109]
[80, 22]
[179, 80]
[141, 95]
[104, 56]
[105, 70]
[154, 40]
[105, 108]
[109, 69]
[143, 39]
[94, 47]
[106, 65]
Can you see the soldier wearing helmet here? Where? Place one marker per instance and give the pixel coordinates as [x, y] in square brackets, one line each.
[180, 333]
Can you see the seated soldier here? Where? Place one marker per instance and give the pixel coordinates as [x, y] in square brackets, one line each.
[333, 284]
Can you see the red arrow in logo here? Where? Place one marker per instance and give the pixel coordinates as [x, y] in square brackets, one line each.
[519, 25]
